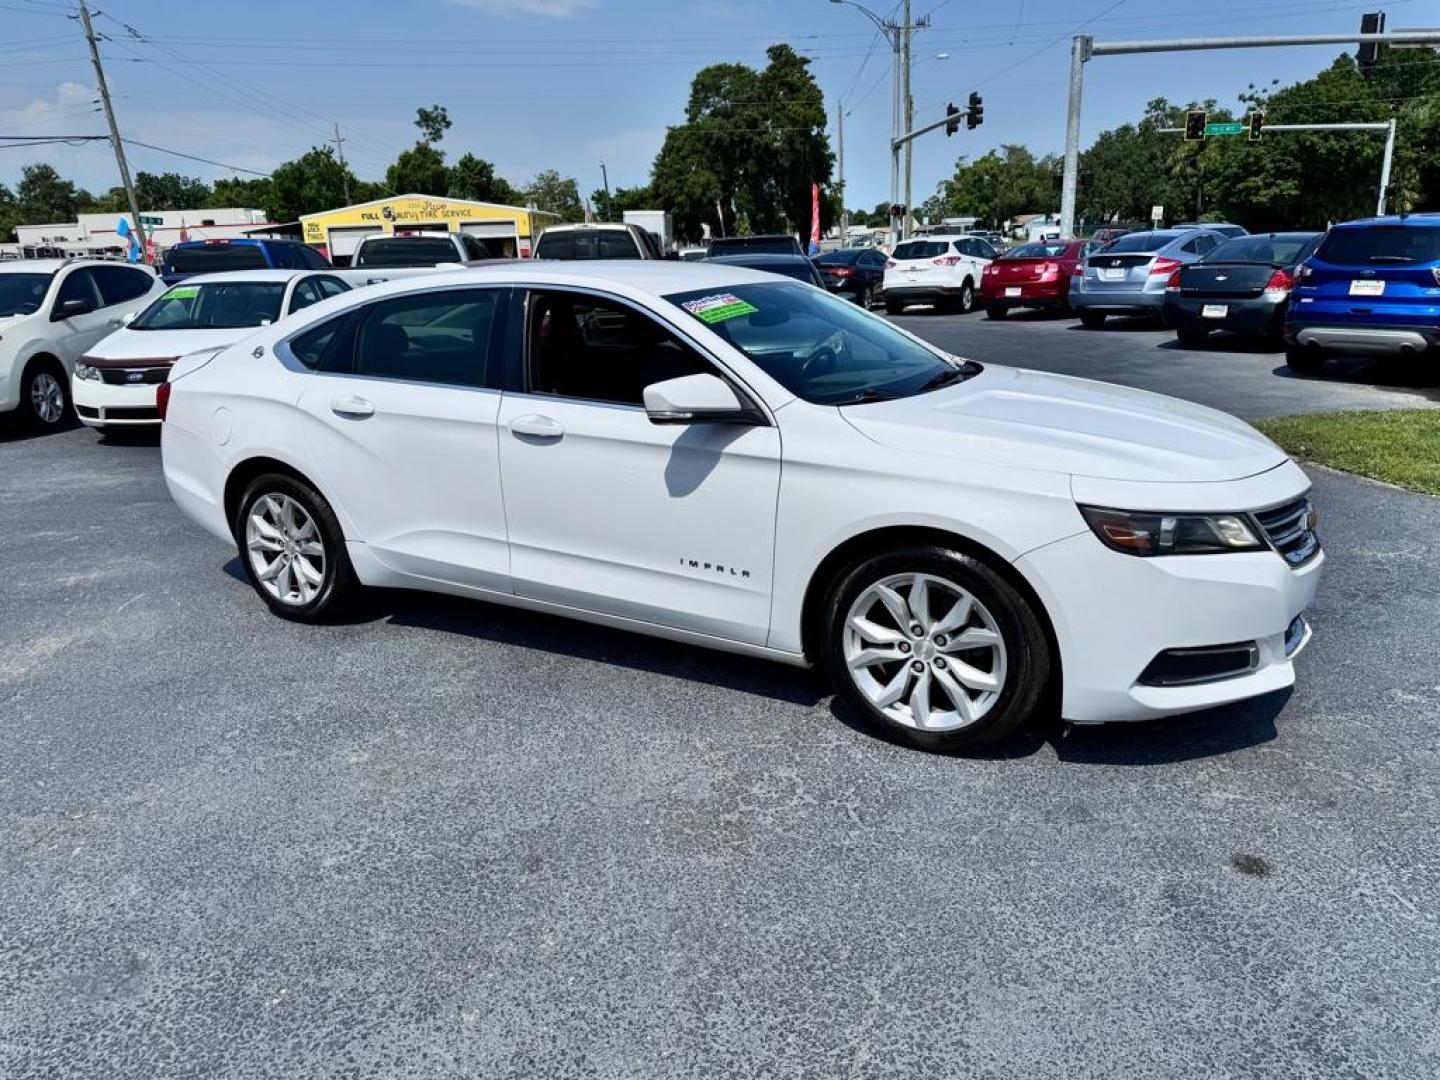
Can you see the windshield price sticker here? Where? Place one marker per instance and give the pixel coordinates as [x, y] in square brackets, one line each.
[184, 292]
[718, 308]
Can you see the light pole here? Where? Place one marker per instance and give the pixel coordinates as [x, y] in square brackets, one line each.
[896, 34]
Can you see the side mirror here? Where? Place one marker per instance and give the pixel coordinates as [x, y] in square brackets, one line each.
[697, 399]
[70, 308]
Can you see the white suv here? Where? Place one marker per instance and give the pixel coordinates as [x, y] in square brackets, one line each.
[940, 270]
[729, 458]
[51, 312]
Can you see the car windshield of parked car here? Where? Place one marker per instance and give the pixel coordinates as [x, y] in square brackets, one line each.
[1037, 251]
[402, 251]
[1381, 244]
[213, 258]
[818, 346]
[216, 306]
[1140, 241]
[1277, 250]
[21, 294]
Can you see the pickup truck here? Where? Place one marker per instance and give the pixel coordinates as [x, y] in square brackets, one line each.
[387, 257]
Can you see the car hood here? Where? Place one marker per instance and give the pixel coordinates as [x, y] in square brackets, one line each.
[1029, 419]
[126, 344]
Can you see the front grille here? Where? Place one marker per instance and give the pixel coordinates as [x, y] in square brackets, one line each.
[1291, 530]
[150, 376]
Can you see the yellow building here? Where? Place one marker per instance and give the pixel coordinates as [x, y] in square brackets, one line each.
[506, 231]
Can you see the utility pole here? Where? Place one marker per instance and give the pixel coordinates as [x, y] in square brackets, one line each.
[605, 183]
[344, 172]
[114, 128]
[840, 137]
[908, 123]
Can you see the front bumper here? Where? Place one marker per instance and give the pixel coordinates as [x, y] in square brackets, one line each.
[1113, 614]
[1243, 316]
[922, 294]
[100, 404]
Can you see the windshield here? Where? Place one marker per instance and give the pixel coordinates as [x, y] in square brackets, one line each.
[1140, 241]
[403, 251]
[1273, 250]
[21, 294]
[1382, 244]
[1037, 251]
[212, 258]
[819, 347]
[217, 306]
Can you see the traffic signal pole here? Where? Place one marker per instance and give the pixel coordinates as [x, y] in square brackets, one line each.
[1084, 48]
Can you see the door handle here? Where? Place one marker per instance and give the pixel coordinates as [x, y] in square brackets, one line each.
[352, 408]
[537, 426]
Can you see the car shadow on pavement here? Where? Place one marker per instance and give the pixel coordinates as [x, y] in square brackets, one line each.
[1228, 345]
[1393, 374]
[585, 641]
[1125, 324]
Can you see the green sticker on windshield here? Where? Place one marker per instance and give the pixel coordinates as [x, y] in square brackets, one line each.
[183, 292]
[718, 308]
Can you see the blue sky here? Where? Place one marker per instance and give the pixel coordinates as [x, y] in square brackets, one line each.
[565, 84]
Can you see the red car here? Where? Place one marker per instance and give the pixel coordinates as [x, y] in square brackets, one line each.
[1035, 275]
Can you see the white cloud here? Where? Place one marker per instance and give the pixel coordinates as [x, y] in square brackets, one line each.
[544, 9]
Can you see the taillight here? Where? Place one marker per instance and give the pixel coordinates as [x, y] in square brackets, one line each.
[162, 399]
[840, 271]
[1164, 266]
[1173, 285]
[990, 268]
[1049, 271]
[889, 264]
[1279, 284]
[946, 260]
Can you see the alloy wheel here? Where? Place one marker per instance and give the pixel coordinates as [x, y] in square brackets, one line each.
[47, 398]
[285, 549]
[925, 652]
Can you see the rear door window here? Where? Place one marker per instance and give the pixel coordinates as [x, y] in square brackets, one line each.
[119, 284]
[437, 337]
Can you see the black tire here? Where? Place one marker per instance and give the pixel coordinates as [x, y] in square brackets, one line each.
[44, 378]
[1092, 320]
[1028, 663]
[864, 298]
[338, 586]
[966, 302]
[1191, 335]
[996, 311]
[894, 307]
[1303, 360]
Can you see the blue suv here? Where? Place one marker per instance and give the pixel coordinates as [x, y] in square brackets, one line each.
[1372, 288]
[215, 256]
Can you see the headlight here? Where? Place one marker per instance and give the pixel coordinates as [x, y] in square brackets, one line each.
[85, 371]
[1151, 533]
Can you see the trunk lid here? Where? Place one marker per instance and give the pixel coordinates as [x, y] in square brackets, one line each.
[1228, 280]
[1118, 271]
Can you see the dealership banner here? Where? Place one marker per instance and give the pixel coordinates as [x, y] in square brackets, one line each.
[814, 219]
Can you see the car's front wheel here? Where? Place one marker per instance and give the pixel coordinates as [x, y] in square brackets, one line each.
[44, 395]
[293, 549]
[937, 648]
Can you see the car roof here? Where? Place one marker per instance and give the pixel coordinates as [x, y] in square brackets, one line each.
[49, 266]
[755, 236]
[247, 275]
[1427, 220]
[762, 257]
[577, 226]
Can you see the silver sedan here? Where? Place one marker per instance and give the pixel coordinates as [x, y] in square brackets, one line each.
[1129, 276]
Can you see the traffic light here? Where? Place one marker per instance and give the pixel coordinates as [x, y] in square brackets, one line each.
[1369, 51]
[1195, 121]
[1257, 125]
[952, 119]
[975, 115]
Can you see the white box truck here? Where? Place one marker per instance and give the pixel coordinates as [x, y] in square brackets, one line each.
[657, 223]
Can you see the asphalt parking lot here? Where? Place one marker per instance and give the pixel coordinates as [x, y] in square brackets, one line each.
[451, 840]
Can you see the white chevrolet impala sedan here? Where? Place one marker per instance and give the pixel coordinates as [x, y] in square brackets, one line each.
[727, 458]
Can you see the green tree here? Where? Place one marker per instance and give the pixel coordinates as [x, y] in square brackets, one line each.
[313, 182]
[474, 178]
[420, 170]
[231, 191]
[9, 214]
[44, 197]
[612, 207]
[557, 194]
[433, 123]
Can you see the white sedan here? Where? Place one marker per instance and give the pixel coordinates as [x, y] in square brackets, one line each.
[720, 457]
[114, 382]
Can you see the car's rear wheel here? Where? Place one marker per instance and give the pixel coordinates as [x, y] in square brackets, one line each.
[865, 296]
[1303, 360]
[996, 311]
[936, 648]
[1092, 320]
[293, 549]
[44, 395]
[1192, 335]
[893, 307]
[966, 303]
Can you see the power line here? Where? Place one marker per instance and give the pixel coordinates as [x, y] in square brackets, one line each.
[193, 157]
